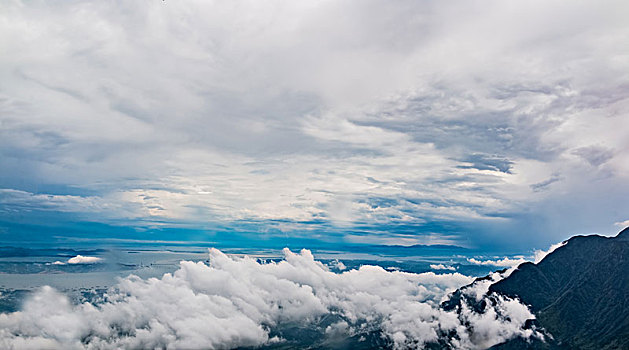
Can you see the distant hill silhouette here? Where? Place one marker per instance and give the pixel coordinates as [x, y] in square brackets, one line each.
[579, 294]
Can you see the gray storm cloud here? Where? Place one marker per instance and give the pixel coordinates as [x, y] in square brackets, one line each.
[236, 302]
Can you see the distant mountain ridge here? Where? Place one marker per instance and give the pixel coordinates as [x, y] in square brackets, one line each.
[579, 294]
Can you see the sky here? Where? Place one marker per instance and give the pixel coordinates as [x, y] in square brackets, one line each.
[493, 124]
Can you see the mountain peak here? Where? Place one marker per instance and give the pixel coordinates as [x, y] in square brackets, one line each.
[577, 292]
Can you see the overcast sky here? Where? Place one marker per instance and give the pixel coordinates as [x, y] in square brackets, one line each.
[475, 123]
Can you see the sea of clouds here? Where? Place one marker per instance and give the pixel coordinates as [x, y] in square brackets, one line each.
[239, 302]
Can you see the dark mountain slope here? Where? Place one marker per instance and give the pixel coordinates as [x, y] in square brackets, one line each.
[579, 293]
[623, 235]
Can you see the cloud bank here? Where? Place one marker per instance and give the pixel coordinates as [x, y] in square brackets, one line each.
[239, 302]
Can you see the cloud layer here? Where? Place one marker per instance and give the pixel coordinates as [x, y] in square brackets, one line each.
[495, 122]
[239, 302]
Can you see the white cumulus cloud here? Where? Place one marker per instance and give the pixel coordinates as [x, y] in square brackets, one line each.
[235, 302]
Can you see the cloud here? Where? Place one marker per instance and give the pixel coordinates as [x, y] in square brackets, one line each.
[182, 113]
[543, 185]
[442, 267]
[237, 302]
[80, 259]
[501, 318]
[336, 264]
[538, 255]
[504, 262]
[594, 155]
[622, 224]
[541, 254]
[484, 162]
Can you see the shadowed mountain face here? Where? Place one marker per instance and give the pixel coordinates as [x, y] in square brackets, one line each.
[579, 293]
